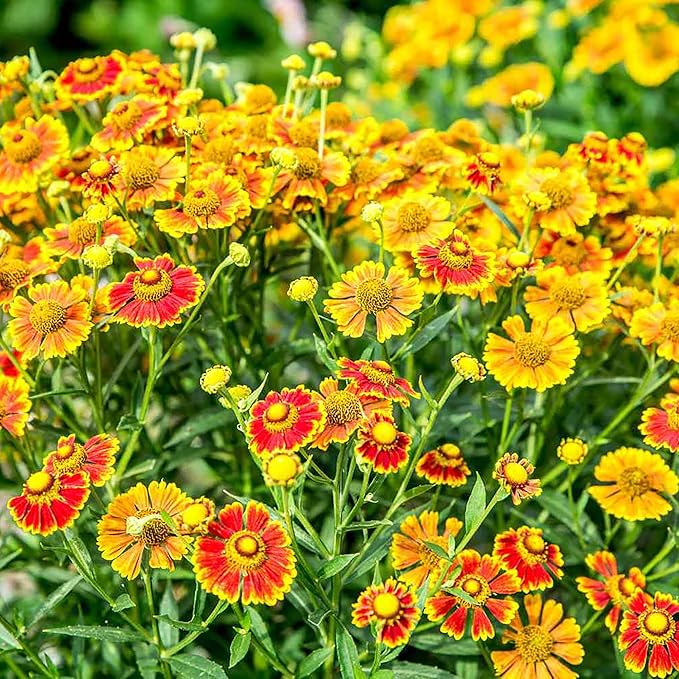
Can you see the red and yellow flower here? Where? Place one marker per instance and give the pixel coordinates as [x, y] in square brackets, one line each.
[14, 405]
[18, 267]
[513, 474]
[70, 240]
[660, 426]
[246, 556]
[483, 172]
[285, 420]
[392, 607]
[410, 553]
[381, 445]
[481, 580]
[376, 378]
[526, 551]
[444, 465]
[156, 294]
[101, 181]
[48, 502]
[95, 457]
[88, 79]
[137, 521]
[616, 588]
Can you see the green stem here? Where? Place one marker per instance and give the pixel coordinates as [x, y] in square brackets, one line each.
[321, 133]
[29, 652]
[219, 608]
[658, 270]
[628, 258]
[321, 327]
[146, 575]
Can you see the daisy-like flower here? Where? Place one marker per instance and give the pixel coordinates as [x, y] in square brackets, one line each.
[376, 378]
[285, 420]
[660, 426]
[635, 479]
[483, 172]
[456, 265]
[14, 405]
[19, 267]
[196, 518]
[127, 122]
[651, 625]
[468, 367]
[100, 181]
[444, 465]
[572, 451]
[513, 474]
[156, 294]
[580, 299]
[245, 556]
[56, 324]
[414, 220]
[30, 150]
[49, 503]
[70, 240]
[136, 521]
[364, 290]
[345, 410]
[481, 580]
[381, 445]
[570, 202]
[525, 551]
[214, 203]
[575, 252]
[392, 607]
[88, 79]
[537, 359]
[658, 324]
[149, 174]
[542, 646]
[410, 553]
[616, 588]
[95, 457]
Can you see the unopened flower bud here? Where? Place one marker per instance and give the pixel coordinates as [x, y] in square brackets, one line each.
[303, 289]
[57, 188]
[188, 96]
[188, 126]
[468, 367]
[283, 158]
[293, 63]
[321, 50]
[215, 378]
[528, 100]
[572, 451]
[372, 212]
[537, 200]
[239, 254]
[326, 81]
[218, 71]
[518, 260]
[183, 41]
[205, 38]
[97, 257]
[97, 213]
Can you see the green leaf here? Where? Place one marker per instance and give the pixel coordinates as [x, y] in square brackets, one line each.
[115, 634]
[54, 599]
[200, 424]
[317, 617]
[140, 469]
[254, 396]
[6, 560]
[169, 634]
[461, 594]
[129, 422]
[186, 626]
[79, 549]
[437, 549]
[146, 656]
[189, 666]
[432, 642]
[431, 401]
[122, 603]
[260, 631]
[7, 639]
[475, 505]
[333, 566]
[427, 334]
[414, 492]
[322, 351]
[312, 662]
[240, 645]
[495, 209]
[347, 655]
[411, 670]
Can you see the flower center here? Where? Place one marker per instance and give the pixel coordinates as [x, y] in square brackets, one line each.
[456, 255]
[303, 134]
[468, 365]
[39, 482]
[672, 410]
[379, 372]
[515, 473]
[245, 549]
[81, 231]
[568, 294]
[280, 417]
[219, 150]
[669, 328]
[534, 543]
[47, 316]
[13, 272]
[627, 587]
[246, 545]
[558, 192]
[476, 587]
[412, 217]
[342, 407]
[384, 433]
[567, 253]
[282, 468]
[277, 412]
[141, 173]
[201, 203]
[100, 169]
[69, 458]
[374, 295]
[427, 150]
[450, 451]
[534, 643]
[308, 164]
[195, 514]
[155, 532]
[88, 70]
[23, 147]
[634, 481]
[152, 285]
[657, 624]
[365, 170]
[531, 351]
[126, 115]
[386, 605]
[572, 452]
[258, 126]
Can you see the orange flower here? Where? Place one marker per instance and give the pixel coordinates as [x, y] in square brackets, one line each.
[18, 267]
[376, 378]
[660, 426]
[410, 553]
[575, 252]
[513, 474]
[14, 405]
[364, 290]
[658, 324]
[29, 151]
[88, 79]
[483, 172]
[136, 521]
[444, 465]
[100, 180]
[69, 240]
[95, 457]
[55, 325]
[381, 445]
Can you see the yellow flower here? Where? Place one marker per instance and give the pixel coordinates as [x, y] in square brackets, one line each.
[303, 289]
[572, 451]
[468, 367]
[214, 379]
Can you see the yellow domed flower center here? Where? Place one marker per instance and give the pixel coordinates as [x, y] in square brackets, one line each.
[450, 451]
[277, 412]
[151, 285]
[259, 97]
[374, 295]
[88, 70]
[567, 253]
[342, 407]
[572, 452]
[141, 173]
[100, 169]
[155, 532]
[558, 192]
[126, 115]
[47, 316]
[39, 482]
[534, 643]
[534, 543]
[69, 458]
[472, 586]
[634, 481]
[280, 417]
[456, 255]
[568, 294]
[23, 147]
[378, 372]
[258, 127]
[476, 587]
[657, 626]
[202, 203]
[365, 170]
[412, 217]
[13, 272]
[669, 328]
[304, 135]
[515, 473]
[427, 150]
[384, 433]
[81, 231]
[468, 365]
[627, 586]
[531, 351]
[672, 410]
[282, 468]
[246, 545]
[308, 164]
[393, 130]
[386, 605]
[220, 151]
[245, 549]
[337, 114]
[195, 514]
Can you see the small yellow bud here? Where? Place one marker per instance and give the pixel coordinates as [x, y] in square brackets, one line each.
[239, 254]
[326, 81]
[321, 50]
[651, 226]
[572, 451]
[372, 212]
[518, 259]
[215, 378]
[188, 126]
[57, 188]
[468, 367]
[238, 393]
[528, 100]
[300, 82]
[97, 257]
[16, 68]
[183, 41]
[537, 200]
[281, 469]
[97, 213]
[558, 19]
[205, 38]
[283, 158]
[303, 289]
[293, 63]
[188, 96]
[490, 56]
[218, 71]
